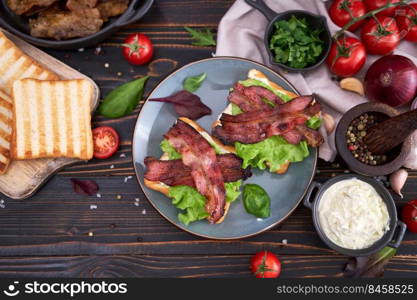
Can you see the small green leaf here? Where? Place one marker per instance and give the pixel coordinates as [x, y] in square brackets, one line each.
[202, 37]
[123, 99]
[167, 148]
[256, 201]
[193, 83]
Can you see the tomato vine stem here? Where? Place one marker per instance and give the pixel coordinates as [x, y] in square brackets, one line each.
[371, 13]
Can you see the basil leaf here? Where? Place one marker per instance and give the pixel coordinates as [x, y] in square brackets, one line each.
[193, 83]
[123, 99]
[256, 201]
[201, 37]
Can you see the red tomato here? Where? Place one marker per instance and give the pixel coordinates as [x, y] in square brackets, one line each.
[407, 22]
[137, 49]
[265, 264]
[409, 215]
[374, 4]
[106, 142]
[346, 57]
[340, 10]
[380, 37]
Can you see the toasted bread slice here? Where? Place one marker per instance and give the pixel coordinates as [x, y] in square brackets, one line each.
[164, 189]
[15, 65]
[6, 125]
[52, 119]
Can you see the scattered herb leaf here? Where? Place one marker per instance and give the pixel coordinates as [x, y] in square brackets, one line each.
[123, 99]
[256, 201]
[202, 37]
[369, 266]
[186, 104]
[193, 83]
[295, 44]
[84, 187]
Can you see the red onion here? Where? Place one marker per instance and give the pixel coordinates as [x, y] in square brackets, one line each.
[392, 80]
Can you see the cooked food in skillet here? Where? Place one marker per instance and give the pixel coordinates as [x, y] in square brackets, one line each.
[62, 20]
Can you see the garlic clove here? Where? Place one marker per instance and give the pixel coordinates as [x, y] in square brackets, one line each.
[352, 84]
[397, 180]
[329, 123]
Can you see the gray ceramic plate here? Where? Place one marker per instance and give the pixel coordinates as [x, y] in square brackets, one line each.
[285, 191]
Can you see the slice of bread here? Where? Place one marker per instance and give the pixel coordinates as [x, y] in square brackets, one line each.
[6, 126]
[164, 189]
[52, 119]
[15, 65]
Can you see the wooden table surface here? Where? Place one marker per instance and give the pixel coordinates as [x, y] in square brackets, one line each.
[57, 233]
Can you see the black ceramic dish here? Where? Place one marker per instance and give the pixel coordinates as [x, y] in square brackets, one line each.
[316, 22]
[391, 238]
[353, 163]
[18, 25]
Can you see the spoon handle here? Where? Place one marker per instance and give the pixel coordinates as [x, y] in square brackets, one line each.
[386, 135]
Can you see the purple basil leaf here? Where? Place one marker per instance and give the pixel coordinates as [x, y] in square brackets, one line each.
[84, 187]
[186, 104]
[371, 266]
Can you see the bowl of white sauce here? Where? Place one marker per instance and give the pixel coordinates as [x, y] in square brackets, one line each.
[354, 215]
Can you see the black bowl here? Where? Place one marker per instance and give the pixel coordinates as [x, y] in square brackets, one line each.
[315, 21]
[355, 164]
[391, 238]
[18, 25]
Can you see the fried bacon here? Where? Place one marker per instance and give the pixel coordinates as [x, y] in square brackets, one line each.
[286, 120]
[200, 157]
[174, 172]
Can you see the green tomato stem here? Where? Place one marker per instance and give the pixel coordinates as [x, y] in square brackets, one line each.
[367, 15]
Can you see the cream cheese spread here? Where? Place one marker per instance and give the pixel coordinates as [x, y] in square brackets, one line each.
[352, 214]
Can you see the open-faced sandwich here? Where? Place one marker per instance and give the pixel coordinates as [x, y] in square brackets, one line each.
[200, 174]
[269, 126]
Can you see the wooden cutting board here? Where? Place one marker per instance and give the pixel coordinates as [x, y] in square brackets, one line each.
[25, 177]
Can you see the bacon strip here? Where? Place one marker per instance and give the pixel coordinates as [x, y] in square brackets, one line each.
[200, 157]
[286, 120]
[174, 172]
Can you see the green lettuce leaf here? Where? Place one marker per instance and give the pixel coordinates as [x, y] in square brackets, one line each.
[190, 201]
[236, 109]
[274, 150]
[314, 122]
[232, 190]
[252, 82]
[170, 150]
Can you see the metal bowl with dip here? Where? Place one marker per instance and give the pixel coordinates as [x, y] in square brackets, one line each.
[354, 215]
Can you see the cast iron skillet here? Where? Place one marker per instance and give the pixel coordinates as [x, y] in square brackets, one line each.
[18, 25]
[392, 238]
[316, 22]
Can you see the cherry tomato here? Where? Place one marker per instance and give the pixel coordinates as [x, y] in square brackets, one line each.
[340, 12]
[409, 215]
[346, 57]
[137, 49]
[106, 142]
[407, 22]
[374, 4]
[382, 36]
[265, 264]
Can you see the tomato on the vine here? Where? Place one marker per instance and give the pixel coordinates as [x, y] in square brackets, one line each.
[375, 4]
[409, 215]
[380, 35]
[137, 49]
[347, 56]
[265, 264]
[407, 21]
[341, 12]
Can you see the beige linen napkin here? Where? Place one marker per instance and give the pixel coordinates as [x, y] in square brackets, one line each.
[241, 34]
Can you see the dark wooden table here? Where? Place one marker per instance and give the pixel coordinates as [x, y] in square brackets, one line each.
[57, 233]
